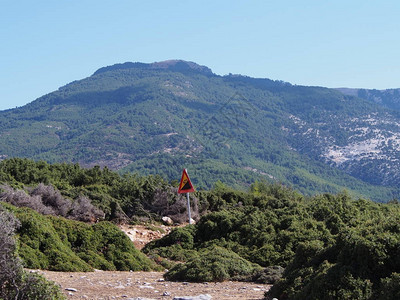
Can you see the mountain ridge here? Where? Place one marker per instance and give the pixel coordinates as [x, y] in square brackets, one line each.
[389, 98]
[172, 64]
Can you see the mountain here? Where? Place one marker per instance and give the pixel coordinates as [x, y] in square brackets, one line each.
[389, 98]
[162, 117]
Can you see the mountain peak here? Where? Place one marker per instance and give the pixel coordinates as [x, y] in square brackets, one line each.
[176, 65]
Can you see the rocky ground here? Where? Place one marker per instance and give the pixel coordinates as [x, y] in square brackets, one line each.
[140, 235]
[149, 285]
[109, 285]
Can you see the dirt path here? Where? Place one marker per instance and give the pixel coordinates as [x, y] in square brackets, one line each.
[131, 285]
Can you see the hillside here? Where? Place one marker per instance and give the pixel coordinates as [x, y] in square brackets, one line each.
[159, 118]
[389, 98]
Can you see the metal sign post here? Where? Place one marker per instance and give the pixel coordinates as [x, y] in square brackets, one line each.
[188, 205]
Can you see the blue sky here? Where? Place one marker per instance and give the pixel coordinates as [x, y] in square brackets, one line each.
[47, 44]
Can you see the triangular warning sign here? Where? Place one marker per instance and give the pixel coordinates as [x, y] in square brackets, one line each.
[185, 186]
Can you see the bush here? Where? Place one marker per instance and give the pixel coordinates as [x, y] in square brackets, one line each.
[390, 288]
[58, 244]
[21, 199]
[212, 264]
[35, 286]
[174, 252]
[53, 199]
[178, 245]
[40, 241]
[118, 249]
[9, 263]
[269, 275]
[182, 236]
[48, 201]
[15, 283]
[360, 262]
[83, 210]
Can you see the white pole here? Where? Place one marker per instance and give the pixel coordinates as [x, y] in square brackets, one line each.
[188, 205]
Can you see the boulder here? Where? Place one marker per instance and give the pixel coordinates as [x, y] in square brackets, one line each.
[167, 220]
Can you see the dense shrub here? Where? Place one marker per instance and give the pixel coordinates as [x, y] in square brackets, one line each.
[15, 283]
[264, 237]
[332, 247]
[118, 249]
[182, 236]
[58, 244]
[52, 198]
[41, 246]
[269, 275]
[361, 262]
[21, 199]
[177, 246]
[48, 201]
[212, 264]
[390, 287]
[9, 264]
[83, 210]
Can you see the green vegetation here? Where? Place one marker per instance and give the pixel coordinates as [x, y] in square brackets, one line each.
[54, 243]
[388, 98]
[360, 263]
[15, 283]
[50, 187]
[155, 120]
[212, 264]
[330, 246]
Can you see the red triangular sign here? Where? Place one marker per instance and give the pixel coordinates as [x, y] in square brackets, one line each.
[185, 186]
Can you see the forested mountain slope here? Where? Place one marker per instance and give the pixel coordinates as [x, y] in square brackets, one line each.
[389, 98]
[162, 117]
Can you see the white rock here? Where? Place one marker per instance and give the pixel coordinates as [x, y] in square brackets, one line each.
[200, 297]
[119, 287]
[146, 287]
[167, 220]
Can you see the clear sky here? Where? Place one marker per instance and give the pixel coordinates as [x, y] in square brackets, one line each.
[45, 44]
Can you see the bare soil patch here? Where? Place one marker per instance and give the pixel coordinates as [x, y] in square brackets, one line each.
[125, 285]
